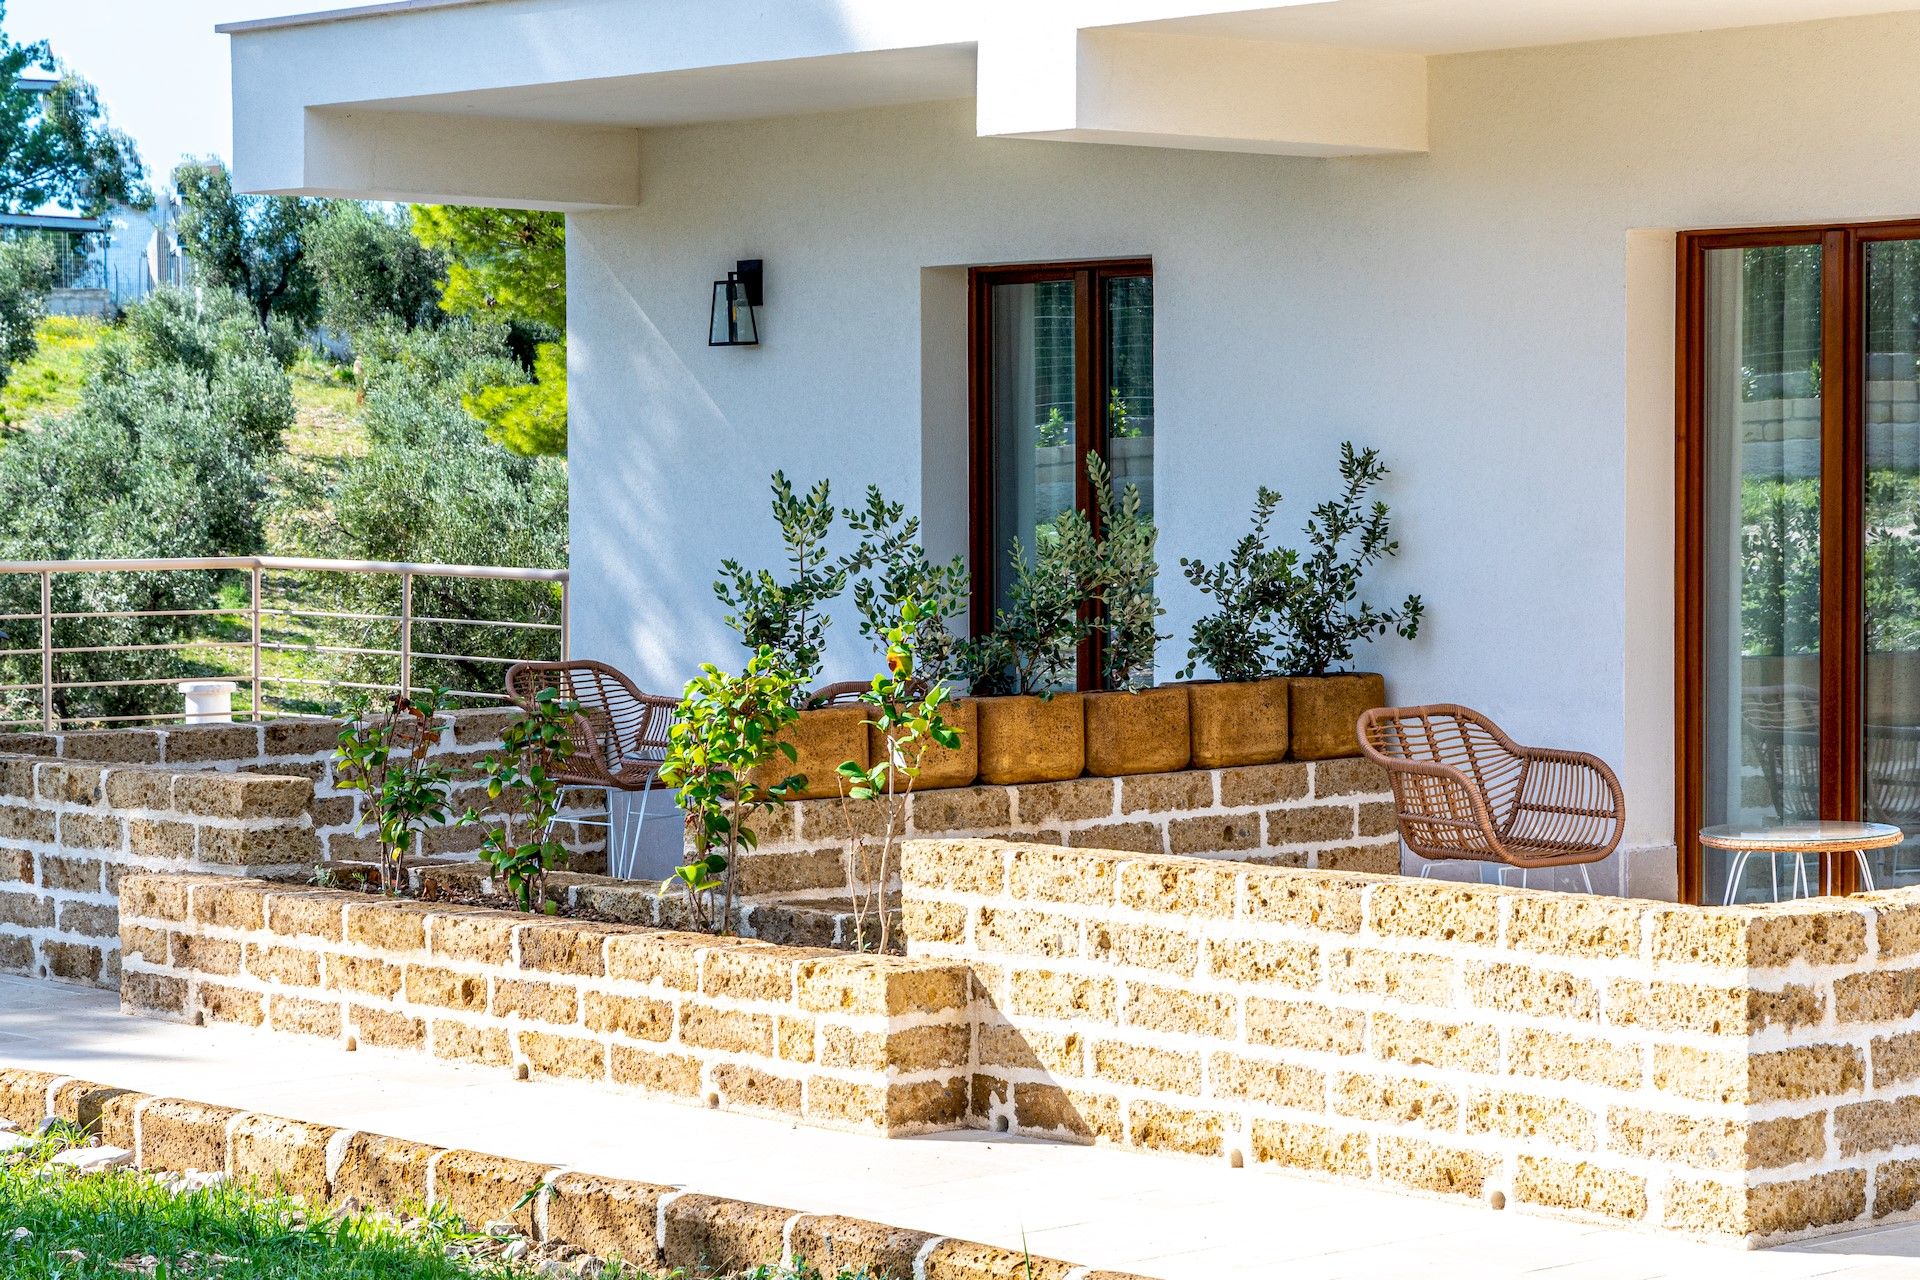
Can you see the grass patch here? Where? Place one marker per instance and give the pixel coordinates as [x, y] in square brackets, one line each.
[60, 1225]
[47, 385]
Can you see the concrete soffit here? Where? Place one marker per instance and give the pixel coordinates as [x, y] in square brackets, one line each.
[1206, 93]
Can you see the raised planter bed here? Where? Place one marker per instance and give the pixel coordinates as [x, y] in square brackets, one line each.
[878, 1043]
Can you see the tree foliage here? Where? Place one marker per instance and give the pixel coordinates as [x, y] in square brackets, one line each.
[510, 265]
[165, 456]
[26, 278]
[253, 245]
[371, 270]
[56, 146]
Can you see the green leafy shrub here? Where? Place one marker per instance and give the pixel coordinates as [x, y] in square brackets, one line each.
[26, 279]
[728, 730]
[386, 756]
[1238, 639]
[1122, 582]
[788, 618]
[372, 270]
[525, 792]
[1034, 646]
[896, 574]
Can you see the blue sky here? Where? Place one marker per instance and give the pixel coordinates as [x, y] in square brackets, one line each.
[160, 68]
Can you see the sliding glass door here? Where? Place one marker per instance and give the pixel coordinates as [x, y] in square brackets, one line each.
[1800, 565]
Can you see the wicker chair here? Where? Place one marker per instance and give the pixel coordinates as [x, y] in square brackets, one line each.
[619, 741]
[1464, 790]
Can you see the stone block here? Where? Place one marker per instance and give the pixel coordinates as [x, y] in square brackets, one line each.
[298, 737]
[359, 973]
[1896, 1187]
[1042, 874]
[1355, 775]
[879, 984]
[1408, 977]
[933, 922]
[984, 808]
[1213, 833]
[154, 897]
[1015, 931]
[1325, 904]
[1807, 1204]
[1555, 1055]
[480, 1188]
[92, 831]
[1119, 837]
[1430, 1166]
[1305, 1024]
[388, 926]
[1580, 1186]
[1883, 1125]
[570, 946]
[191, 743]
[1535, 992]
[298, 1016]
[1711, 1009]
[956, 866]
[153, 993]
[1310, 824]
[1038, 803]
[1314, 1148]
[728, 1030]
[837, 1246]
[288, 966]
[1259, 785]
[1568, 924]
[72, 961]
[1164, 1126]
[387, 1029]
[636, 1017]
[1425, 1042]
[574, 1057]
[484, 937]
[1045, 993]
[459, 1041]
[1076, 1114]
[445, 988]
[1877, 995]
[183, 1136]
[279, 846]
[755, 971]
[1395, 1100]
[1281, 1084]
[23, 1096]
[1896, 1058]
[148, 789]
[1437, 912]
[221, 1003]
[1161, 1070]
[160, 838]
[1178, 1011]
[197, 953]
[1183, 791]
[281, 1155]
[710, 1236]
[751, 1088]
[668, 1073]
[1759, 937]
[119, 746]
[1531, 1116]
[230, 903]
[240, 795]
[89, 919]
[1715, 1142]
[535, 1001]
[607, 1217]
[1178, 886]
[382, 1172]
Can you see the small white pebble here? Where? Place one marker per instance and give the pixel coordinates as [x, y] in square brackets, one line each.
[92, 1159]
[515, 1250]
[13, 1142]
[20, 1235]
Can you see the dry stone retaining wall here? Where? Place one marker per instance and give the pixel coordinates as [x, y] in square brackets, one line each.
[1331, 815]
[1748, 1072]
[847, 1041]
[653, 1227]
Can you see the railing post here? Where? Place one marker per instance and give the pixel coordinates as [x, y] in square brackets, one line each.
[46, 651]
[406, 634]
[257, 708]
[566, 620]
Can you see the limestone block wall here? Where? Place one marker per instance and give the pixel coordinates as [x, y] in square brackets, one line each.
[71, 831]
[302, 747]
[1750, 1073]
[846, 1041]
[1334, 814]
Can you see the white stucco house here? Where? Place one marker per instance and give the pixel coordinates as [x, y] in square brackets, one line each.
[1457, 230]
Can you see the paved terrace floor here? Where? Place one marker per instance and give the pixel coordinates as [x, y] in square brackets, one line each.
[1159, 1215]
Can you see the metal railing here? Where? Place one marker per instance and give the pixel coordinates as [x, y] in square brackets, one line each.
[251, 661]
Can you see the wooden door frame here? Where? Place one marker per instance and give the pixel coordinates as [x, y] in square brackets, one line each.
[1842, 523]
[1089, 278]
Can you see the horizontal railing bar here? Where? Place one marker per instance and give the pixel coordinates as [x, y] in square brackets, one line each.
[151, 613]
[464, 657]
[285, 564]
[146, 648]
[323, 613]
[489, 622]
[278, 647]
[115, 684]
[331, 684]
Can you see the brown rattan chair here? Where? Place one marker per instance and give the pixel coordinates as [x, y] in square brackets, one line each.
[619, 742]
[1463, 790]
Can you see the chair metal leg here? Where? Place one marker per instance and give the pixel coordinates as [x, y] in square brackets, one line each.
[1866, 869]
[1585, 878]
[1734, 875]
[634, 827]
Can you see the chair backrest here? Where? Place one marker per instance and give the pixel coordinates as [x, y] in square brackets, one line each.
[1437, 811]
[617, 724]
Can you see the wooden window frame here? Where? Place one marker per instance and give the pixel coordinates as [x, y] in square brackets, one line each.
[1089, 279]
[1842, 473]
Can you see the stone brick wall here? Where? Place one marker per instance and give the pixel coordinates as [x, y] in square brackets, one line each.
[1749, 1072]
[656, 1228]
[1335, 814]
[302, 747]
[71, 830]
[828, 1038]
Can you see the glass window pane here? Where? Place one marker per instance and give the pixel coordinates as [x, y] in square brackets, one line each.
[1891, 773]
[1033, 414]
[1761, 554]
[1129, 361]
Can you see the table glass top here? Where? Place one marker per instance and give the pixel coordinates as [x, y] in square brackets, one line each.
[1807, 837]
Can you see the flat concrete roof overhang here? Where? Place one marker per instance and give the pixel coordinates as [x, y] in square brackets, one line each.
[538, 103]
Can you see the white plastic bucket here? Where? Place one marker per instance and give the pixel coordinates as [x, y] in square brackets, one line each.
[209, 701]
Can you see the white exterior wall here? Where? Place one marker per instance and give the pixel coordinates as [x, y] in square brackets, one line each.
[1496, 316]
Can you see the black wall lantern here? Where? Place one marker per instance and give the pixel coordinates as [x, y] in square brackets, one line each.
[731, 323]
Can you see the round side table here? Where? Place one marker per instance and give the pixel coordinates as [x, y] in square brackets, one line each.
[1822, 838]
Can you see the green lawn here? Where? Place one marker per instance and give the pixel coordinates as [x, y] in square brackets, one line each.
[56, 1225]
[47, 385]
